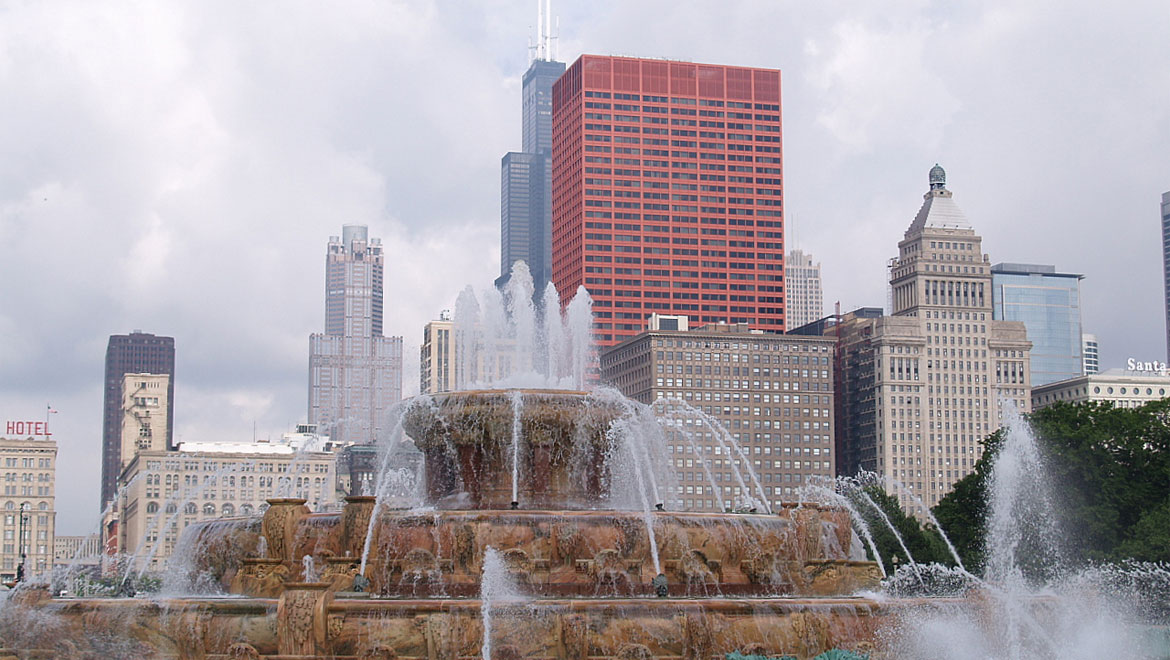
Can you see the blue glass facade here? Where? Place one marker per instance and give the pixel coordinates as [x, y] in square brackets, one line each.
[1049, 304]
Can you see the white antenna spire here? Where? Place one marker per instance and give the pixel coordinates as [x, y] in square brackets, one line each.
[543, 48]
[554, 39]
[540, 29]
[548, 30]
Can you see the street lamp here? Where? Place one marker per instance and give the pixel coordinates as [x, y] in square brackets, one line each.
[24, 506]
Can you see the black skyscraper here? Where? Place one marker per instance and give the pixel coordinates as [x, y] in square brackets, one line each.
[526, 181]
[135, 353]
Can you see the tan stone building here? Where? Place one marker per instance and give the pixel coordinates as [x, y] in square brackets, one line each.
[436, 369]
[919, 390]
[27, 469]
[772, 393]
[144, 413]
[168, 491]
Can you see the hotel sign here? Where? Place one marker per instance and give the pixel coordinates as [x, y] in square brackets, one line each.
[20, 428]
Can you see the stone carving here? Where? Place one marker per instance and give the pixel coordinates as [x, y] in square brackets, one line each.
[609, 571]
[567, 542]
[574, 637]
[699, 642]
[755, 649]
[341, 571]
[242, 651]
[519, 565]
[261, 578]
[279, 526]
[379, 652]
[355, 520]
[629, 651]
[301, 618]
[506, 652]
[464, 546]
[335, 626]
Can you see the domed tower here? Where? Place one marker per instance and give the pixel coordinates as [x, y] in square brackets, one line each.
[941, 363]
[938, 178]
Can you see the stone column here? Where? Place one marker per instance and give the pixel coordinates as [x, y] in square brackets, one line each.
[279, 525]
[355, 520]
[302, 618]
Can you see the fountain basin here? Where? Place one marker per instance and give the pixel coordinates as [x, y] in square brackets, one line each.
[802, 549]
[467, 441]
[318, 626]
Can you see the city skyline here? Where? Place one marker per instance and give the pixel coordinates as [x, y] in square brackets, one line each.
[157, 172]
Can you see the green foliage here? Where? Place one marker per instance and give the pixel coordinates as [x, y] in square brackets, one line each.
[924, 544]
[963, 512]
[1111, 471]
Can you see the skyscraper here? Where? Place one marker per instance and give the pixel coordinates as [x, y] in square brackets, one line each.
[355, 373]
[919, 390]
[1166, 264]
[526, 177]
[806, 299]
[137, 352]
[1049, 304]
[667, 193]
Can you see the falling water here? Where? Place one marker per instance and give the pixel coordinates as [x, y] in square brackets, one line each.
[310, 569]
[1030, 608]
[812, 491]
[395, 441]
[682, 410]
[1020, 527]
[517, 406]
[901, 487]
[61, 578]
[506, 340]
[893, 530]
[702, 458]
[553, 331]
[619, 435]
[495, 585]
[190, 493]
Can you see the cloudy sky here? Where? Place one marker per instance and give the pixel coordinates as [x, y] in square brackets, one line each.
[178, 167]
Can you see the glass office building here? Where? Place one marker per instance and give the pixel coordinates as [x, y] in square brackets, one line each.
[1049, 304]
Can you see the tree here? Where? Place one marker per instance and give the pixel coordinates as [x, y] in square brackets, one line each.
[1110, 468]
[924, 544]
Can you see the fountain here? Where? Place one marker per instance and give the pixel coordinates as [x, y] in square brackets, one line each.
[540, 528]
[585, 547]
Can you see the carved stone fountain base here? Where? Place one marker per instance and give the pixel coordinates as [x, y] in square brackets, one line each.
[307, 622]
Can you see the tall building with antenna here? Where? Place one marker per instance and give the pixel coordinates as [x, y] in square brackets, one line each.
[526, 175]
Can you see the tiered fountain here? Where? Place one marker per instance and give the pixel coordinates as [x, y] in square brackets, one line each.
[541, 530]
[596, 583]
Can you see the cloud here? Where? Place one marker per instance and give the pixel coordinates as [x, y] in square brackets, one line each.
[179, 167]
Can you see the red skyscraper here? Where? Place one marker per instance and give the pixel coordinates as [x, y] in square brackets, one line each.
[667, 192]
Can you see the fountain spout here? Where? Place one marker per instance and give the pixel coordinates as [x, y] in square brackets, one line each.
[661, 589]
